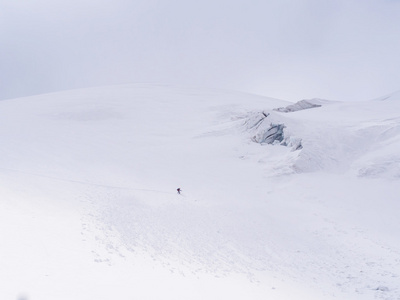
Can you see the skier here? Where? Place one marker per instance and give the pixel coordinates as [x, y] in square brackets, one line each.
[179, 190]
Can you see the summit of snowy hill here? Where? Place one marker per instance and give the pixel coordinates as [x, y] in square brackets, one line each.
[300, 205]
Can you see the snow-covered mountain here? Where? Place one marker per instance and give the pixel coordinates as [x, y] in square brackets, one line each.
[279, 200]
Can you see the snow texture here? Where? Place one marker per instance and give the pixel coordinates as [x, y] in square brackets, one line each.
[89, 208]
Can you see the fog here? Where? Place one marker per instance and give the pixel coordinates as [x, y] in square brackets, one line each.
[287, 49]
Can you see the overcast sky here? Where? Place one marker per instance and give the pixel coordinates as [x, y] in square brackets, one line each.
[288, 49]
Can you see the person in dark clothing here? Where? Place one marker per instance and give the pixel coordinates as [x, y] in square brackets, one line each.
[179, 190]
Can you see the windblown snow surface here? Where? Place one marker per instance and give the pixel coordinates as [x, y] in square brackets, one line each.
[308, 209]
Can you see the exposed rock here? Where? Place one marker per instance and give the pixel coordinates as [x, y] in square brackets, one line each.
[303, 104]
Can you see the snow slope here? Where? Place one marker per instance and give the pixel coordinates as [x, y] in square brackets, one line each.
[89, 208]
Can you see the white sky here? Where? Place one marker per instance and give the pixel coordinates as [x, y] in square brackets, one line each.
[288, 49]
